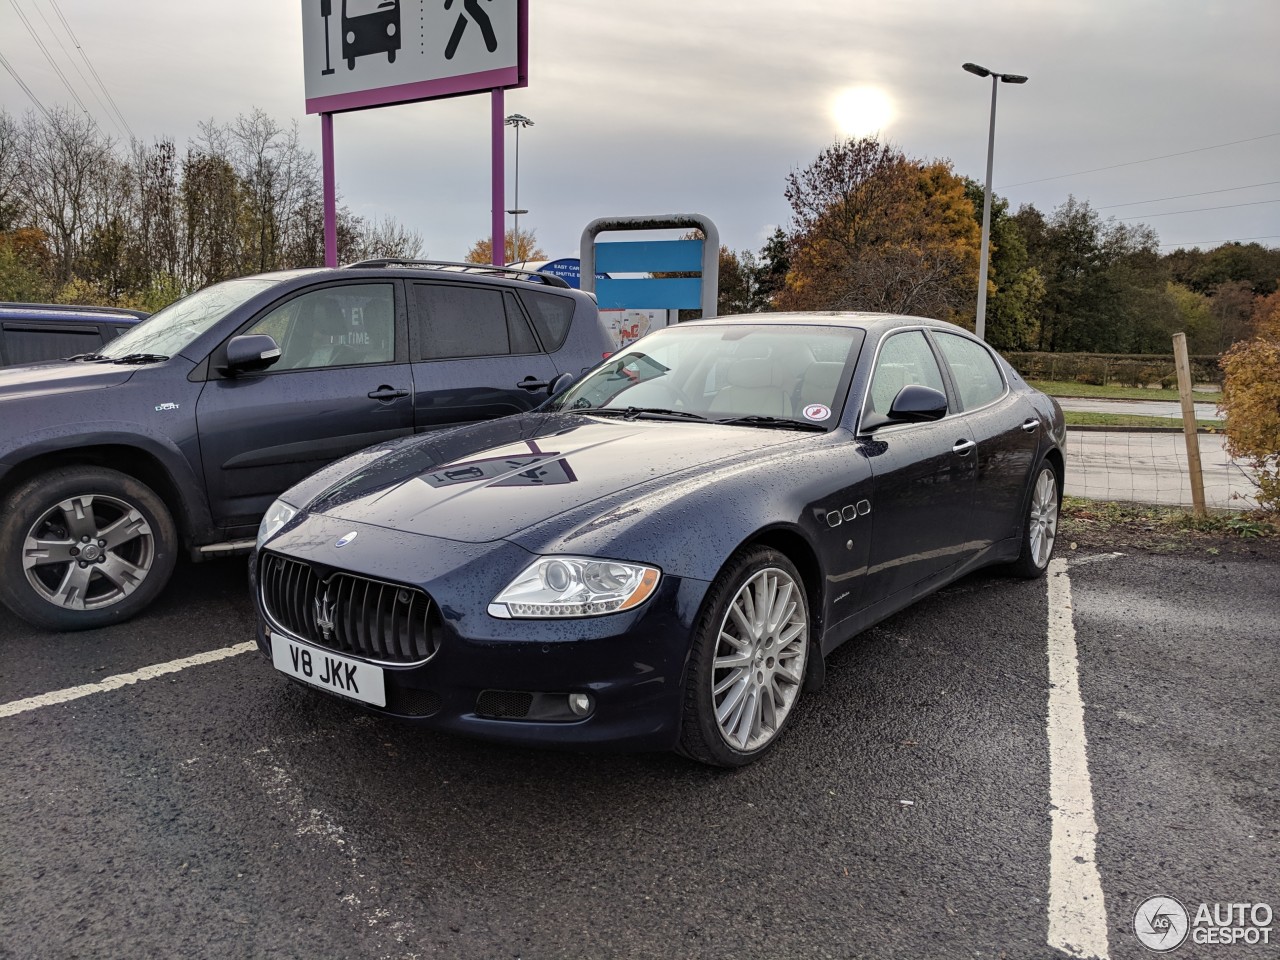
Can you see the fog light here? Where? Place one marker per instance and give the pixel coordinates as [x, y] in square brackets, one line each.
[580, 703]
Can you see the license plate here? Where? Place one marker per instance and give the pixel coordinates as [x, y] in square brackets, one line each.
[328, 671]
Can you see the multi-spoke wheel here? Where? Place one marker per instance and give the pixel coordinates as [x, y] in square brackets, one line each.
[1041, 527]
[749, 657]
[83, 547]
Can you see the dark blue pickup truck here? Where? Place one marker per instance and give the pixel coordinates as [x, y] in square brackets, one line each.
[178, 434]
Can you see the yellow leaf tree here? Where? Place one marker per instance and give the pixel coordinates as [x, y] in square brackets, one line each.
[519, 249]
[1251, 400]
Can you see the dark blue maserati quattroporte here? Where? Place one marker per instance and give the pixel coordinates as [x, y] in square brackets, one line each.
[662, 555]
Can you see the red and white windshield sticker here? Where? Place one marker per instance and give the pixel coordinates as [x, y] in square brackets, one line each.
[817, 411]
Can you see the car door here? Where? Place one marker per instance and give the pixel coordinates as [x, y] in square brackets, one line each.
[475, 355]
[342, 383]
[924, 475]
[1006, 429]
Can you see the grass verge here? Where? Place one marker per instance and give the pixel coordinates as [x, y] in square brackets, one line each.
[1062, 388]
[1078, 418]
[1159, 529]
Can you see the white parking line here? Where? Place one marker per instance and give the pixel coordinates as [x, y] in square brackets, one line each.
[1077, 912]
[16, 707]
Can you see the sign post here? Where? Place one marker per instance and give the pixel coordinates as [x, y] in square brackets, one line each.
[359, 54]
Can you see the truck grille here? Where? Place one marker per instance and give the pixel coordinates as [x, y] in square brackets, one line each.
[349, 614]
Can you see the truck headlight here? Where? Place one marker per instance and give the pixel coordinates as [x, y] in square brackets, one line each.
[274, 520]
[555, 587]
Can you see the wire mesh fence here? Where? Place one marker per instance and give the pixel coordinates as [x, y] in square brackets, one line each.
[1152, 468]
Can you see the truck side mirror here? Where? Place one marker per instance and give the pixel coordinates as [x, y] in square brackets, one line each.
[250, 352]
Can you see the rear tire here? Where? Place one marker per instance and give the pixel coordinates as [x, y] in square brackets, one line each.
[1040, 529]
[747, 666]
[83, 547]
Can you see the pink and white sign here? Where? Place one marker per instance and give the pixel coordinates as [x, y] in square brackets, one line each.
[368, 53]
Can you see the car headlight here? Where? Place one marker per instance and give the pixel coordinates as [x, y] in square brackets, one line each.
[554, 587]
[276, 517]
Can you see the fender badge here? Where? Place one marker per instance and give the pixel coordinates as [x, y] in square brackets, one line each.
[343, 541]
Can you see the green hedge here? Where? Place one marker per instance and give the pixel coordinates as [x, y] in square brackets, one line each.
[1100, 369]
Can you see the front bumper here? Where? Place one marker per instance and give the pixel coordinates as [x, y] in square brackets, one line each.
[632, 663]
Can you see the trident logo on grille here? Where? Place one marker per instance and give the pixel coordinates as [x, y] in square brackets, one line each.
[324, 614]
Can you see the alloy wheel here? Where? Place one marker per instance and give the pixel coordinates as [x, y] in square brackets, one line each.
[759, 661]
[88, 552]
[1044, 517]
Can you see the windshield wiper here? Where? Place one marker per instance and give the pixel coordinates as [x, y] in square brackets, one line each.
[632, 413]
[87, 357]
[140, 358]
[775, 423]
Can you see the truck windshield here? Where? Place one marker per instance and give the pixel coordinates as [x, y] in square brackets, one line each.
[171, 329]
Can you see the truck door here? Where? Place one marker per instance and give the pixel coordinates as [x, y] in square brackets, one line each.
[342, 383]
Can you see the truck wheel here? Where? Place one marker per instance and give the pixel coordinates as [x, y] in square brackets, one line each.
[83, 547]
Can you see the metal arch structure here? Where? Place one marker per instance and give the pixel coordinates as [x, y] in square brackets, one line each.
[674, 256]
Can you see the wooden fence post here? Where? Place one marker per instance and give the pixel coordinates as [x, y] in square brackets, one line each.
[1189, 427]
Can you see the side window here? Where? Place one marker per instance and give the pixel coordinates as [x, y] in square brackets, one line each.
[973, 368]
[31, 344]
[552, 315]
[334, 327]
[904, 359]
[456, 321]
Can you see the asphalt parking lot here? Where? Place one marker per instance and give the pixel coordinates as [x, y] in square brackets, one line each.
[219, 811]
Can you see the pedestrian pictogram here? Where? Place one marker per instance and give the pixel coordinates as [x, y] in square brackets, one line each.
[472, 9]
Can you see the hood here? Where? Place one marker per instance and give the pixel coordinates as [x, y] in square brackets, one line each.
[59, 377]
[492, 480]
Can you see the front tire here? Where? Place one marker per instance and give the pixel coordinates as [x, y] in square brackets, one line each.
[1040, 531]
[747, 667]
[83, 547]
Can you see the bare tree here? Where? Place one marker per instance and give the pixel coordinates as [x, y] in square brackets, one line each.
[64, 159]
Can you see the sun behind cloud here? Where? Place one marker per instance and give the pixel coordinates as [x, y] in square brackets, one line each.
[861, 111]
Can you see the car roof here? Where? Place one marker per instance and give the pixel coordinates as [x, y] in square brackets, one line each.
[432, 269]
[56, 313]
[830, 318]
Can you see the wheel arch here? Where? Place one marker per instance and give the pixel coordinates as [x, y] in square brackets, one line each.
[133, 461]
[793, 544]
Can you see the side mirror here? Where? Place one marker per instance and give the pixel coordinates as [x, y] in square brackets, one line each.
[918, 404]
[560, 384]
[251, 352]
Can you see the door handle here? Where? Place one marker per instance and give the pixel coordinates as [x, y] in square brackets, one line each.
[530, 384]
[1031, 426]
[387, 393]
[963, 447]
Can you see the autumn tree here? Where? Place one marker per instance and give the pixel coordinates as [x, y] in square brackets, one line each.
[518, 250]
[1251, 400]
[874, 230]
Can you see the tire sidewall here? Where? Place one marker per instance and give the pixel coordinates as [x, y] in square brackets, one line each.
[24, 505]
[701, 737]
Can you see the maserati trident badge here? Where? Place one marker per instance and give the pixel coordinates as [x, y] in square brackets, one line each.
[324, 615]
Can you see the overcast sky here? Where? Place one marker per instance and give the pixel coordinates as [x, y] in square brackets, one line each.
[664, 106]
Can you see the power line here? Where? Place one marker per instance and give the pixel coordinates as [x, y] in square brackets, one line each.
[25, 89]
[1174, 213]
[83, 79]
[92, 69]
[48, 56]
[1196, 243]
[1130, 163]
[1183, 196]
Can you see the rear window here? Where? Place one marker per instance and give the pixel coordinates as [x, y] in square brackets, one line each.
[552, 316]
[31, 344]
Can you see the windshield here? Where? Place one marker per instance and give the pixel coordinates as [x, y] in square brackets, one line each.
[723, 372]
[169, 331]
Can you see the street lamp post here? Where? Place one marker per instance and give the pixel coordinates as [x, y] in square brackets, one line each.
[517, 120]
[980, 326]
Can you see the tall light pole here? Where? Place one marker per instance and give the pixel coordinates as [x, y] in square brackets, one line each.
[980, 327]
[517, 120]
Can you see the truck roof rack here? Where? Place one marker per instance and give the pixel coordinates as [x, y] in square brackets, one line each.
[484, 268]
